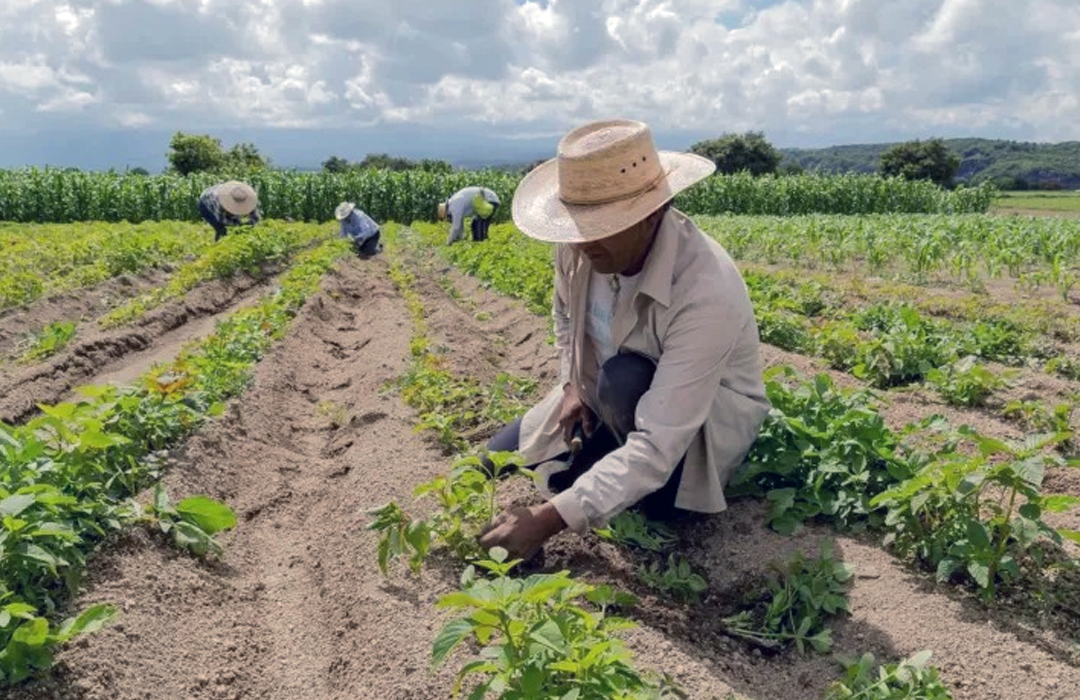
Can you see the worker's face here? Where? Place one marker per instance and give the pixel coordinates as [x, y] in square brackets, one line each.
[619, 252]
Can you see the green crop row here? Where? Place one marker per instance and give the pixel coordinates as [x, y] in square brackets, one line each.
[826, 453]
[247, 249]
[966, 248]
[69, 477]
[60, 196]
[37, 260]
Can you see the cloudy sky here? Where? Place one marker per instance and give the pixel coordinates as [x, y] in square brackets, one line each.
[94, 83]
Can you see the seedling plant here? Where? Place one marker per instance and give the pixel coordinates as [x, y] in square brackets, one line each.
[910, 679]
[547, 635]
[798, 598]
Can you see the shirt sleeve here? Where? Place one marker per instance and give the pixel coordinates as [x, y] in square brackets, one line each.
[696, 348]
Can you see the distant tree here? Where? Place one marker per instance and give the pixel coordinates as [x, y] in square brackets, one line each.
[435, 166]
[246, 155]
[193, 153]
[734, 153]
[384, 161]
[333, 164]
[921, 160]
[138, 171]
[792, 168]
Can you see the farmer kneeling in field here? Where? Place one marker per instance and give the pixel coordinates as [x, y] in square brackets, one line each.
[226, 203]
[478, 202]
[359, 228]
[657, 339]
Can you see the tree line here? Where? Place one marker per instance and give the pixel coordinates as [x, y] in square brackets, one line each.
[733, 153]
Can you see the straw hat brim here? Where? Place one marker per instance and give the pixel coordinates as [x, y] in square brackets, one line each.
[540, 214]
[231, 205]
[343, 210]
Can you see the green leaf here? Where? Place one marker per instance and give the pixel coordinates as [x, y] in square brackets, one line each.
[549, 635]
[451, 635]
[13, 505]
[980, 572]
[97, 440]
[1059, 503]
[89, 620]
[1071, 535]
[977, 534]
[210, 515]
[33, 633]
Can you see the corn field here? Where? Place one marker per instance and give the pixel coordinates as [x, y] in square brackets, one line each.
[63, 196]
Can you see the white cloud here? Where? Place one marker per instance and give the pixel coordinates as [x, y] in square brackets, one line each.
[821, 70]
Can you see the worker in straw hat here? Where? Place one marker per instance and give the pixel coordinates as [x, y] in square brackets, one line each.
[226, 203]
[478, 202]
[661, 392]
[359, 228]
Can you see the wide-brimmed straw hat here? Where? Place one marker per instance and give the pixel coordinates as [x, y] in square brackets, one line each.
[606, 177]
[237, 198]
[343, 210]
[442, 211]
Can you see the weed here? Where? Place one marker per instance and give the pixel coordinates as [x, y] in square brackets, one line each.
[48, 341]
[631, 528]
[332, 412]
[911, 679]
[965, 382]
[677, 579]
[795, 603]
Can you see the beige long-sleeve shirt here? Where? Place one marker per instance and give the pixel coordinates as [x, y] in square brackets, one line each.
[691, 313]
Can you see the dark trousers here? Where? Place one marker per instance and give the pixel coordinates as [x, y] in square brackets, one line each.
[219, 228]
[622, 381]
[480, 226]
[368, 247]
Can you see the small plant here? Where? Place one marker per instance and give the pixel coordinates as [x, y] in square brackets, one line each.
[332, 412]
[965, 382]
[192, 522]
[911, 679]
[796, 601]
[677, 580]
[537, 638]
[30, 641]
[632, 528]
[50, 340]
[823, 452]
[974, 515]
[466, 498]
[1036, 417]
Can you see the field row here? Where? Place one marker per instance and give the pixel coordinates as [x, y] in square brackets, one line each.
[70, 476]
[59, 196]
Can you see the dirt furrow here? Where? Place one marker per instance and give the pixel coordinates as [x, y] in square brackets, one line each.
[81, 305]
[120, 355]
[297, 609]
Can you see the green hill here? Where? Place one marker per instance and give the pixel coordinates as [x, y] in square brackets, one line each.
[1009, 164]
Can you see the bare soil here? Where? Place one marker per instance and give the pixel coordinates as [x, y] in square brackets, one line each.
[297, 609]
[121, 354]
[81, 306]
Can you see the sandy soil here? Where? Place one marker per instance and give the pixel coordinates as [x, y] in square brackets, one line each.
[121, 354]
[297, 609]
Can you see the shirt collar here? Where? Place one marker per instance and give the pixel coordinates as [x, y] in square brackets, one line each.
[659, 268]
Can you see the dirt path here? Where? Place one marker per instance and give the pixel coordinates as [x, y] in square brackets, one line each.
[122, 354]
[297, 610]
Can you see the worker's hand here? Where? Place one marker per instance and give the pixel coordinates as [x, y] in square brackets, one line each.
[574, 410]
[523, 531]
